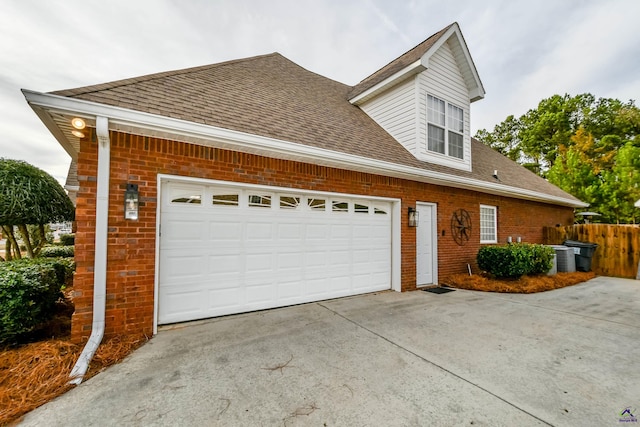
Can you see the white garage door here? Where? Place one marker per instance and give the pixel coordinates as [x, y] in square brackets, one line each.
[229, 249]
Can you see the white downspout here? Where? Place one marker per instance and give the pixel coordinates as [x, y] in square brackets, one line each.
[100, 262]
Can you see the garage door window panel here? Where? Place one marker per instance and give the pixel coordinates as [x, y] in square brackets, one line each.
[319, 205]
[360, 208]
[289, 202]
[380, 211]
[259, 201]
[188, 198]
[225, 199]
[185, 195]
[339, 206]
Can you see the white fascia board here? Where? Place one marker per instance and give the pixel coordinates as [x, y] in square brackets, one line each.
[475, 93]
[411, 70]
[270, 147]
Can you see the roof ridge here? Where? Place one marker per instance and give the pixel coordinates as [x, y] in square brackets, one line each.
[389, 68]
[154, 76]
[410, 50]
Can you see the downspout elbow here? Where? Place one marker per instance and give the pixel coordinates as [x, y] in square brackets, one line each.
[100, 262]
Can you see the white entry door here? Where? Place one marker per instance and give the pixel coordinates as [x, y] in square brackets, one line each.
[426, 250]
[232, 249]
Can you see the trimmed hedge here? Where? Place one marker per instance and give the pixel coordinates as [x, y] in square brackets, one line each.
[67, 239]
[57, 252]
[515, 260]
[29, 290]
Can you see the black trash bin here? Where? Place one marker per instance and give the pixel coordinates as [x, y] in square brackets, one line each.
[584, 252]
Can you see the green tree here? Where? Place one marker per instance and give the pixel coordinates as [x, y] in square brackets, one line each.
[29, 196]
[621, 186]
[582, 144]
[575, 176]
[504, 138]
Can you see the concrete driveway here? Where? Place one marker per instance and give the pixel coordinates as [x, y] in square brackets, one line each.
[567, 357]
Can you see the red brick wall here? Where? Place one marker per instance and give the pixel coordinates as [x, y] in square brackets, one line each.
[131, 244]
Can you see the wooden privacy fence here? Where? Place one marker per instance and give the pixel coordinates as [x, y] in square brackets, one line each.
[618, 251]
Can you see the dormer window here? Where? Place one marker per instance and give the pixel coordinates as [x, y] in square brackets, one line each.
[445, 128]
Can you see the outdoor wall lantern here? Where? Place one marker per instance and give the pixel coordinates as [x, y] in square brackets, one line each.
[413, 217]
[131, 202]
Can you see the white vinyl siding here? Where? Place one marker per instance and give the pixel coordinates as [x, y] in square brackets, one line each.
[395, 112]
[488, 224]
[443, 80]
[402, 111]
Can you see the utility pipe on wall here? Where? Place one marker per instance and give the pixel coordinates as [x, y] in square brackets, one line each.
[100, 262]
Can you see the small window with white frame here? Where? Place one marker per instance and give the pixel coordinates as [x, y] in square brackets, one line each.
[445, 128]
[488, 224]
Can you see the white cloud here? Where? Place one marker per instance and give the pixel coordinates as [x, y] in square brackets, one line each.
[524, 51]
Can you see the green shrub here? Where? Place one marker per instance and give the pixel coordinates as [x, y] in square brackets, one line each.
[29, 290]
[64, 267]
[541, 259]
[515, 260]
[57, 252]
[67, 239]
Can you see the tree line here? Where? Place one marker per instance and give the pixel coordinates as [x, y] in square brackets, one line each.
[588, 147]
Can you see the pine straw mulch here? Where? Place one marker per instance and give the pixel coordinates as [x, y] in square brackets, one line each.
[35, 373]
[523, 285]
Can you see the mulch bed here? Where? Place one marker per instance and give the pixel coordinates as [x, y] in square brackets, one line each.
[34, 373]
[523, 285]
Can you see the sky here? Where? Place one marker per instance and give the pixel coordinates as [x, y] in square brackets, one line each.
[524, 51]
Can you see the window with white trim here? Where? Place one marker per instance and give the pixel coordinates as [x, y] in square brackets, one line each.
[445, 128]
[488, 224]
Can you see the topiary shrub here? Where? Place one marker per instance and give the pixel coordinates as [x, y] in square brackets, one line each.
[515, 260]
[67, 239]
[29, 290]
[57, 252]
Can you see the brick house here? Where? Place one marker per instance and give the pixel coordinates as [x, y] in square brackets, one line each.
[261, 184]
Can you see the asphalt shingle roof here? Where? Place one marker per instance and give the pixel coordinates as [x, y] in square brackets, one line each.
[273, 97]
[397, 64]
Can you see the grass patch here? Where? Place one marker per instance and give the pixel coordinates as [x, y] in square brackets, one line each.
[522, 285]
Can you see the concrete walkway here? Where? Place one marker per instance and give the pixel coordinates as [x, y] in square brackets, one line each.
[567, 357]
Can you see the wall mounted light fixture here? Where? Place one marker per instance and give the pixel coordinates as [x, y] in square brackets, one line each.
[78, 123]
[131, 202]
[413, 217]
